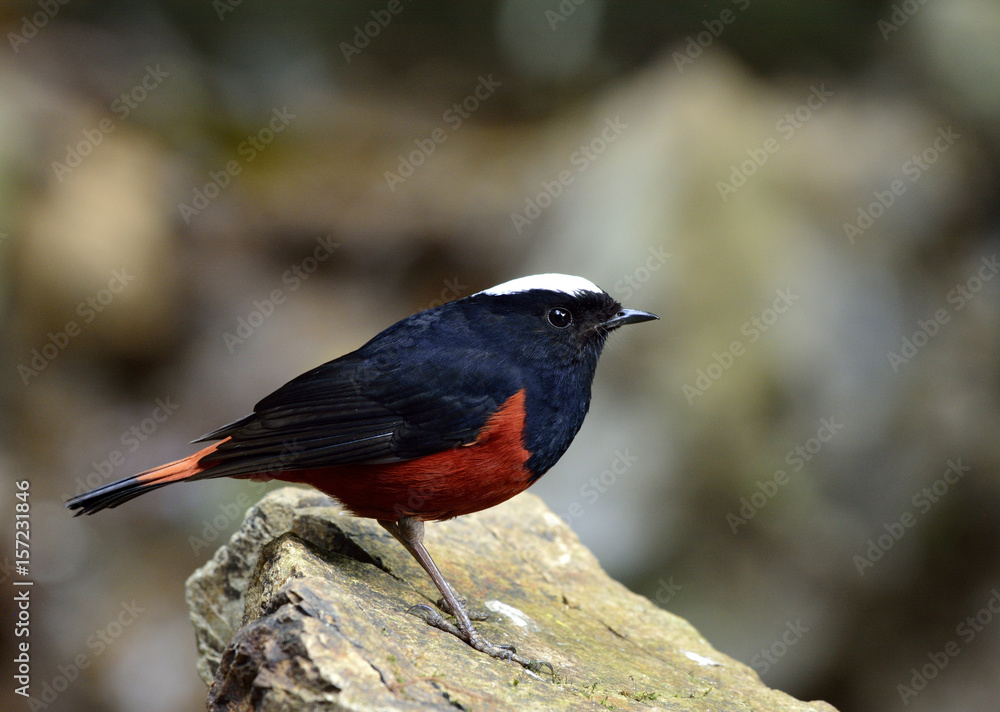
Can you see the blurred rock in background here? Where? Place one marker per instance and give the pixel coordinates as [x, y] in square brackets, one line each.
[200, 201]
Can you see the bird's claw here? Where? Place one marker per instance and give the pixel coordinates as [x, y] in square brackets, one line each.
[536, 666]
[509, 653]
[434, 619]
[501, 652]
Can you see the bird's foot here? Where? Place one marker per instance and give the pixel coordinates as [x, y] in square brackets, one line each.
[434, 619]
[474, 614]
[477, 642]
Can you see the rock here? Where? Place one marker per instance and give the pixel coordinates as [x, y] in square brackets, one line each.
[305, 608]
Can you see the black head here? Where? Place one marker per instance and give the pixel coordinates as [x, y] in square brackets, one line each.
[555, 317]
[553, 327]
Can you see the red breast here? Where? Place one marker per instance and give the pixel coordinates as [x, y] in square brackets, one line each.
[447, 484]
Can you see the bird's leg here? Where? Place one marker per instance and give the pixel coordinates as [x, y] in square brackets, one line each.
[410, 533]
[474, 614]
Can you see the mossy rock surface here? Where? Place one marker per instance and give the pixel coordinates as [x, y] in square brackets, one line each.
[305, 609]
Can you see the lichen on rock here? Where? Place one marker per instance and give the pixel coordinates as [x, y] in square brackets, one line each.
[305, 608]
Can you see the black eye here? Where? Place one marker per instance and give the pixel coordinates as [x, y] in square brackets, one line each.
[559, 317]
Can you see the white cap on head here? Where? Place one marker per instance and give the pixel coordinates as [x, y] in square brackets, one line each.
[566, 283]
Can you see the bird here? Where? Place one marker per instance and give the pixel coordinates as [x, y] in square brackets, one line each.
[449, 411]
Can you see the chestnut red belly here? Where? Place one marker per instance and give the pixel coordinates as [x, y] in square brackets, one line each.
[447, 484]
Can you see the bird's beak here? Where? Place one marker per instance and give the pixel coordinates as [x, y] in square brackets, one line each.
[627, 316]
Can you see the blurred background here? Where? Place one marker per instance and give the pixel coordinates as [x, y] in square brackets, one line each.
[200, 200]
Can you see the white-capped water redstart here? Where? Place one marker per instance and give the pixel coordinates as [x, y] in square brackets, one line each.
[449, 411]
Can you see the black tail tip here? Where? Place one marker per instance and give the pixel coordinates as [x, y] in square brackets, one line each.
[110, 495]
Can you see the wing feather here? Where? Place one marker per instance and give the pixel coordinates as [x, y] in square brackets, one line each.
[367, 407]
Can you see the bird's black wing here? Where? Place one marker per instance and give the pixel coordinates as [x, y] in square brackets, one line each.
[374, 405]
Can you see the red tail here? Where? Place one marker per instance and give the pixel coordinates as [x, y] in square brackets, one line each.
[114, 493]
